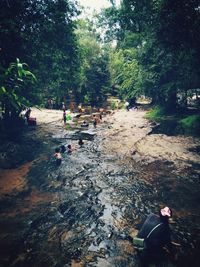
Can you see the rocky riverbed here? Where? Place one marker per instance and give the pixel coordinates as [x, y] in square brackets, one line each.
[84, 212]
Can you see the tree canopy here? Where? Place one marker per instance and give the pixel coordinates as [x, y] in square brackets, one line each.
[166, 39]
[41, 33]
[94, 70]
[149, 47]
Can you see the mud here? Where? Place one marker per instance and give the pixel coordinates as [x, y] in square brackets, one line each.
[85, 212]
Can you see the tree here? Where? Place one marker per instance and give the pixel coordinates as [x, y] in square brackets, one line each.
[94, 75]
[125, 73]
[14, 93]
[169, 50]
[41, 33]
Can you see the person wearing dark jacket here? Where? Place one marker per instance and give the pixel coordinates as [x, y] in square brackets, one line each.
[156, 232]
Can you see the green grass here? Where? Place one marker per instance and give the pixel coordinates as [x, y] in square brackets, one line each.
[191, 123]
[185, 122]
[156, 114]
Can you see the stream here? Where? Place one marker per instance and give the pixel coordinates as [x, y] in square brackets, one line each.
[84, 212]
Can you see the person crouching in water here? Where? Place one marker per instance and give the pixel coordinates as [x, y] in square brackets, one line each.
[58, 156]
[156, 233]
[69, 149]
[80, 142]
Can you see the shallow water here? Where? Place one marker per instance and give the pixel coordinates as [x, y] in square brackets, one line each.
[84, 212]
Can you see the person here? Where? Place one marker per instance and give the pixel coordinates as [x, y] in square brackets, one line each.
[64, 116]
[156, 233]
[100, 116]
[80, 108]
[70, 149]
[80, 142]
[95, 121]
[84, 124]
[127, 105]
[27, 114]
[135, 108]
[51, 103]
[62, 149]
[30, 121]
[63, 106]
[58, 156]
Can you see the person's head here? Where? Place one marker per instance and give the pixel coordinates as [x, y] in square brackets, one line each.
[57, 150]
[165, 213]
[69, 146]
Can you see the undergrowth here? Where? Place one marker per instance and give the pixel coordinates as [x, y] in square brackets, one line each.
[190, 124]
[156, 114]
[184, 122]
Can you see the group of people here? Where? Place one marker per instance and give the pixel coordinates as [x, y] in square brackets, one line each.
[69, 149]
[96, 119]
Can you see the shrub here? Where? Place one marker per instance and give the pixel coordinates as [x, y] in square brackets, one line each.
[113, 105]
[155, 114]
[190, 124]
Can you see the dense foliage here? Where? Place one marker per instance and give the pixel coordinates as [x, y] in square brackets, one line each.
[191, 124]
[94, 78]
[41, 33]
[165, 38]
[13, 91]
[148, 47]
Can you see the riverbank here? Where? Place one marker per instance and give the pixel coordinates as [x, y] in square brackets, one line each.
[130, 135]
[98, 197]
[127, 134]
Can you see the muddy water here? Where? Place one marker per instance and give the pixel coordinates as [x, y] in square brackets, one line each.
[84, 212]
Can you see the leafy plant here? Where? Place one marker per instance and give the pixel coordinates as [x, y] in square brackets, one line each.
[156, 114]
[113, 105]
[191, 123]
[14, 95]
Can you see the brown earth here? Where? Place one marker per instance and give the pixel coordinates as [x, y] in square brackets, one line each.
[127, 134]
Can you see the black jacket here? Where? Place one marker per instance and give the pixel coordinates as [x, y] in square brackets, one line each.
[160, 237]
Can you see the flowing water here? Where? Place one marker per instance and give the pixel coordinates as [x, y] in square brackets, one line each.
[84, 212]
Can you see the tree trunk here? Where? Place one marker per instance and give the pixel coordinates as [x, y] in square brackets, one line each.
[171, 102]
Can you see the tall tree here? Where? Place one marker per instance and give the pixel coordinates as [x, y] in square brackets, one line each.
[41, 33]
[94, 75]
[169, 50]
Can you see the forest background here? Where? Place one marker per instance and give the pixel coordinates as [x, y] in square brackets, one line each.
[147, 47]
